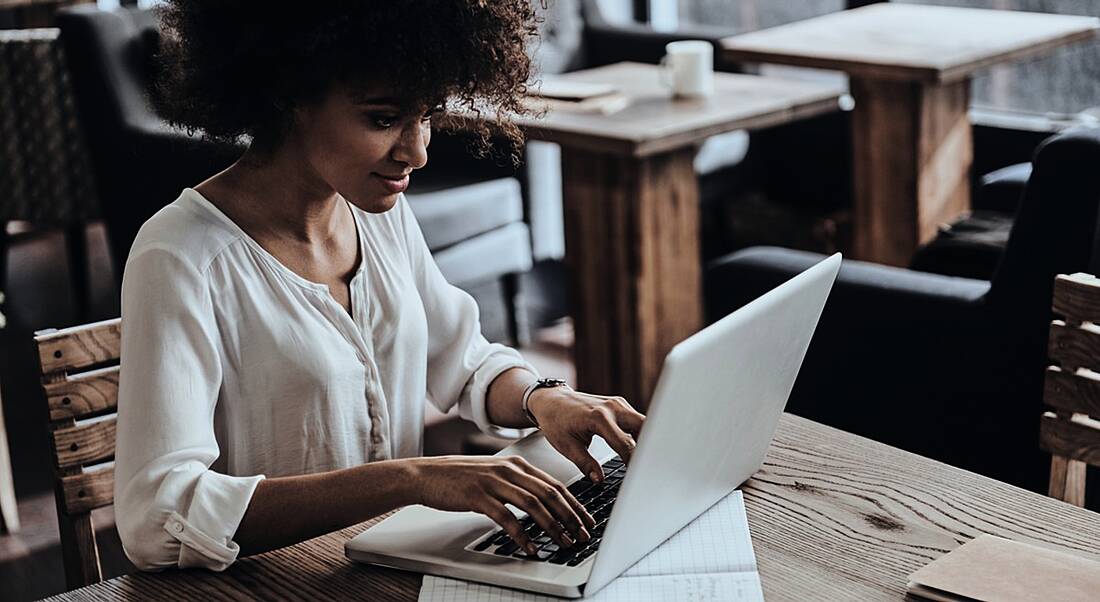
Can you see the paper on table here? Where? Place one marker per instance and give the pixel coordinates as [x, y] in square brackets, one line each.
[564, 89]
[710, 559]
[718, 587]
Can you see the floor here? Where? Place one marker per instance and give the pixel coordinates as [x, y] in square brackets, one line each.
[39, 296]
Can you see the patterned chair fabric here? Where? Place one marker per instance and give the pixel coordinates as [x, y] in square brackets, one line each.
[45, 172]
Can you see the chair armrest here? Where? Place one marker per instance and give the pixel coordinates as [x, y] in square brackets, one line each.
[1002, 189]
[862, 290]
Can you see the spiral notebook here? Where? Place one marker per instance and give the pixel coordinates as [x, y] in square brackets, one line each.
[710, 559]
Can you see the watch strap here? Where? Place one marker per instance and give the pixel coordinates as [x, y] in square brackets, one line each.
[542, 383]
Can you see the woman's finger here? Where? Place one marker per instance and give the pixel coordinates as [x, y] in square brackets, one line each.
[627, 417]
[619, 441]
[553, 495]
[507, 521]
[530, 503]
[576, 450]
[573, 502]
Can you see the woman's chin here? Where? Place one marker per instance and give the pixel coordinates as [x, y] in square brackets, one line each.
[374, 203]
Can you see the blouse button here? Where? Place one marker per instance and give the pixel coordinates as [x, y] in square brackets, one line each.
[176, 527]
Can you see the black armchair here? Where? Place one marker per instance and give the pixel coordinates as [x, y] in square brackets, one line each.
[140, 163]
[950, 368]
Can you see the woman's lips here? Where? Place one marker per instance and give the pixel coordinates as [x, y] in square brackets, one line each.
[394, 185]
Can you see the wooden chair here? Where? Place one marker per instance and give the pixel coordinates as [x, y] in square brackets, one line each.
[1071, 431]
[79, 368]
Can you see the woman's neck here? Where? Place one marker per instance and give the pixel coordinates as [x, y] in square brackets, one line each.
[277, 194]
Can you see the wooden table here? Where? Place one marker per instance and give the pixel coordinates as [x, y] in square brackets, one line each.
[910, 69]
[632, 211]
[833, 516]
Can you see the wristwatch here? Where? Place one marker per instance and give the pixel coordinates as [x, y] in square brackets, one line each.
[542, 383]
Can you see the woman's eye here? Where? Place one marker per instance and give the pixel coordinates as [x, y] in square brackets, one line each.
[384, 121]
[432, 113]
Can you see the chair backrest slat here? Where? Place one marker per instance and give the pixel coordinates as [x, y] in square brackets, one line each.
[1071, 393]
[1070, 438]
[80, 346]
[79, 370]
[90, 490]
[1076, 297]
[85, 444]
[1074, 346]
[83, 395]
[1072, 389]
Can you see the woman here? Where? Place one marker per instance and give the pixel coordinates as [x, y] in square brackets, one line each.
[284, 320]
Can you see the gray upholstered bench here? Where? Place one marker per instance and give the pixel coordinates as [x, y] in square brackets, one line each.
[476, 234]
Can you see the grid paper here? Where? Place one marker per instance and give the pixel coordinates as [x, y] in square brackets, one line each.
[710, 559]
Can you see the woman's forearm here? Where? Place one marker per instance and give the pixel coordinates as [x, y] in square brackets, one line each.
[504, 399]
[288, 510]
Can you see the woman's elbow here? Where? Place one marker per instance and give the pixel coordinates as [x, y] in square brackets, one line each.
[143, 538]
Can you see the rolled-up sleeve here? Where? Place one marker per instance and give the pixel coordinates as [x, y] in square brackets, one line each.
[461, 362]
[170, 507]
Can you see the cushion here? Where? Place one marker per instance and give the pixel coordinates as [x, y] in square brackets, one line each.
[1001, 190]
[971, 247]
[456, 214]
[487, 257]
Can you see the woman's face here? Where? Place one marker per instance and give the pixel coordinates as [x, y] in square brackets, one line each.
[364, 145]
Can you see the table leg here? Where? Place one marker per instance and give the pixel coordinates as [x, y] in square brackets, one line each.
[912, 153]
[632, 246]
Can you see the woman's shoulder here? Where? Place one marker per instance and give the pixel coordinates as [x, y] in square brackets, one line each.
[188, 229]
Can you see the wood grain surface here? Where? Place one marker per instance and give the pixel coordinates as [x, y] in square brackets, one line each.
[80, 346]
[632, 247]
[85, 443]
[905, 42]
[1074, 347]
[912, 151]
[89, 490]
[833, 516]
[653, 121]
[1074, 439]
[82, 395]
[1077, 297]
[1071, 393]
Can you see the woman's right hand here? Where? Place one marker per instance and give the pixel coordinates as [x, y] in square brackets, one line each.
[485, 484]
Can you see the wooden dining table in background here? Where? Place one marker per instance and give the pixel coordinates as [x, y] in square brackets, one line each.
[833, 516]
[910, 69]
[631, 202]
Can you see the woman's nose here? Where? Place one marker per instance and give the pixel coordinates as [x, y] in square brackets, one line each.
[412, 147]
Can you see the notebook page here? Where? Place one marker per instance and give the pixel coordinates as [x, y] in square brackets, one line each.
[710, 559]
[722, 587]
[716, 542]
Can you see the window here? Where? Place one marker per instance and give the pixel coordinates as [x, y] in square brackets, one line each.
[1063, 82]
[749, 15]
[1059, 84]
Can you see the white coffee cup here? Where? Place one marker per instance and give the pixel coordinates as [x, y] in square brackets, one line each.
[688, 68]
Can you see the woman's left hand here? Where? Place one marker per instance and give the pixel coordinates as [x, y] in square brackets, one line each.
[570, 418]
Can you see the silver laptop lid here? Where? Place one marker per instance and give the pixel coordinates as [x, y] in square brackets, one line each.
[713, 414]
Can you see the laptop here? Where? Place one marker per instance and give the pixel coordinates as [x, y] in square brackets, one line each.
[712, 416]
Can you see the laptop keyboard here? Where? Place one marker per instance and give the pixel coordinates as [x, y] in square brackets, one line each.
[597, 498]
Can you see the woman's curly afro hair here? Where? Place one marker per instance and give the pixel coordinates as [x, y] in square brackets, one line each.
[235, 68]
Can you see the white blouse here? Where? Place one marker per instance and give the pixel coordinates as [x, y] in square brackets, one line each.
[234, 367]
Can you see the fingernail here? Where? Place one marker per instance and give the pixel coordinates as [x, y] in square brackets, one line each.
[596, 476]
[531, 549]
[584, 534]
